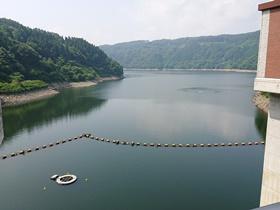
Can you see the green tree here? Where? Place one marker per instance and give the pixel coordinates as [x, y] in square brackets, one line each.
[16, 77]
[39, 55]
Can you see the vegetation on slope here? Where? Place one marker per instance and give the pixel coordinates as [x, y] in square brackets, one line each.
[209, 52]
[18, 85]
[34, 54]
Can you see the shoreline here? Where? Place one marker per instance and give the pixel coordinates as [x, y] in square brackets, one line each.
[185, 70]
[52, 90]
[261, 101]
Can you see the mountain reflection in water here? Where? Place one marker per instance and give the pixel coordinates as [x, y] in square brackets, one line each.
[69, 103]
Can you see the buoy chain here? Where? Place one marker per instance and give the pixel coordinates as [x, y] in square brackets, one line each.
[45, 146]
[132, 143]
[129, 143]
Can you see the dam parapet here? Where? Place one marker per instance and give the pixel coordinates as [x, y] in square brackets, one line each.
[268, 80]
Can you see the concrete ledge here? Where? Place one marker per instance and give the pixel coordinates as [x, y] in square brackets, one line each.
[270, 207]
[267, 85]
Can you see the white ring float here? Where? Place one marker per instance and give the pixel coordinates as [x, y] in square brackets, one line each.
[66, 179]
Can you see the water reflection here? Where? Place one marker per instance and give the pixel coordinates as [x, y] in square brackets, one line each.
[70, 103]
[261, 122]
[142, 107]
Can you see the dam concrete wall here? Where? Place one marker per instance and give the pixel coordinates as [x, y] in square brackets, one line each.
[271, 170]
[268, 80]
[1, 124]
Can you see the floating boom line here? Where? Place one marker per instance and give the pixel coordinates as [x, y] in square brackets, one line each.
[130, 143]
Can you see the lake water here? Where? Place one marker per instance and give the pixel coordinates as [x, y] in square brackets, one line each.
[181, 107]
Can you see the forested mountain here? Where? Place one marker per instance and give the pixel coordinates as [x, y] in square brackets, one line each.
[34, 54]
[210, 52]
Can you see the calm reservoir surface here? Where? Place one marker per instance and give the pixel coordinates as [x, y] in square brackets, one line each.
[189, 107]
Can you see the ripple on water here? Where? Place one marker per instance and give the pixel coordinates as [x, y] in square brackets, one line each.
[202, 90]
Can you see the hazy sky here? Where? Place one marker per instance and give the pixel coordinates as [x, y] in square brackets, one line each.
[112, 21]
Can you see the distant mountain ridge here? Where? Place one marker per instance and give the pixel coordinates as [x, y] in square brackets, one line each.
[238, 51]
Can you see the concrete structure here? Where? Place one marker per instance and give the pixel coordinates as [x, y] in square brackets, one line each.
[268, 80]
[1, 125]
[270, 207]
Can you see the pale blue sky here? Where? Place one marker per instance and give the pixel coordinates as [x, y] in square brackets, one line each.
[113, 21]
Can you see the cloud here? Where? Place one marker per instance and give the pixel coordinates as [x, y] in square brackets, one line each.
[111, 21]
[171, 19]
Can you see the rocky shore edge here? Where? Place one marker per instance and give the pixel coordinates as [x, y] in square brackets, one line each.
[51, 90]
[261, 101]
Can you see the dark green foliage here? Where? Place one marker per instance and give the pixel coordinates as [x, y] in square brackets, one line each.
[211, 52]
[39, 55]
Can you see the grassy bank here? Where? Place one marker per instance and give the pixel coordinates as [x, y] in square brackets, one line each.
[21, 86]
